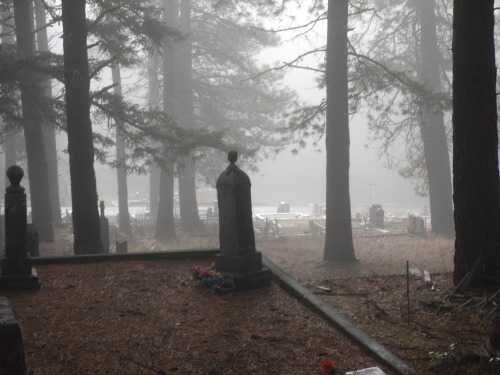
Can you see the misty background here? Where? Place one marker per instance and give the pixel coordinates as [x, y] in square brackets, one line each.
[298, 179]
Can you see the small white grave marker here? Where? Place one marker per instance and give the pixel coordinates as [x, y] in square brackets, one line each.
[367, 371]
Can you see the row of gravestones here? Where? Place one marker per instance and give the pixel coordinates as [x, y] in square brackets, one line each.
[237, 256]
[416, 224]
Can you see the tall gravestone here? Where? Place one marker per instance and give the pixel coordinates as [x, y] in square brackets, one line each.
[238, 257]
[17, 273]
[104, 223]
[376, 216]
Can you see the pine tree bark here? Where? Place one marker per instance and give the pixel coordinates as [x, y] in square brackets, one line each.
[165, 224]
[188, 204]
[86, 227]
[154, 104]
[432, 128]
[10, 137]
[475, 144]
[338, 238]
[49, 135]
[121, 172]
[31, 94]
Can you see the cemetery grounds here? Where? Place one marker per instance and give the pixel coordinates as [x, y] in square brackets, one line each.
[142, 317]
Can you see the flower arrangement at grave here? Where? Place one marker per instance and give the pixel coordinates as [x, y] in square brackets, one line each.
[212, 280]
[328, 367]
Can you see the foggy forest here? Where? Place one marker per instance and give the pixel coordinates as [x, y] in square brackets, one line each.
[368, 130]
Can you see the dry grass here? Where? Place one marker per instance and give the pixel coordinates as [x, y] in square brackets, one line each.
[373, 294]
[302, 257]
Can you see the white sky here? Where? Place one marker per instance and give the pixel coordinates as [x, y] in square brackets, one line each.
[301, 179]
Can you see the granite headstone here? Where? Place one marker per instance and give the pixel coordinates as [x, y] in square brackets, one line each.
[238, 256]
[17, 273]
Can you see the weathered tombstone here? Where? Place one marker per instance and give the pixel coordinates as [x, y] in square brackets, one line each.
[67, 217]
[32, 240]
[416, 225]
[121, 247]
[17, 273]
[377, 216]
[103, 221]
[283, 207]
[12, 360]
[238, 257]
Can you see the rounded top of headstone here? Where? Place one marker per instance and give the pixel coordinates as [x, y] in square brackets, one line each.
[233, 176]
[232, 156]
[15, 173]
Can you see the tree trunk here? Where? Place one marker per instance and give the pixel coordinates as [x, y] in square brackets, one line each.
[49, 135]
[121, 172]
[475, 144]
[338, 239]
[154, 103]
[165, 225]
[10, 135]
[86, 227]
[10, 144]
[432, 128]
[188, 204]
[31, 96]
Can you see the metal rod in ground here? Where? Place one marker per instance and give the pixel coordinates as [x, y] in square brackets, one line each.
[408, 288]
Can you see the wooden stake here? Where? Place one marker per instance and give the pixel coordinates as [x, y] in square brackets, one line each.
[408, 288]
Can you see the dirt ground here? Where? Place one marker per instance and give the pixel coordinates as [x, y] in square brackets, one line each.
[423, 322]
[151, 317]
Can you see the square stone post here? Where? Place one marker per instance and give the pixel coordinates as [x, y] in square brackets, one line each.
[17, 273]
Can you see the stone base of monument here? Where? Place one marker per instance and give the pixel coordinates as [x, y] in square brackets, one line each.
[11, 345]
[20, 282]
[251, 280]
[246, 269]
[15, 265]
[241, 263]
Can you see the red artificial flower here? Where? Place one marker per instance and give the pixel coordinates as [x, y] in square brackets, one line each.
[327, 366]
[203, 273]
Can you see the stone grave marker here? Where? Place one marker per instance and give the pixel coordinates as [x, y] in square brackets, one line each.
[32, 243]
[121, 247]
[104, 223]
[283, 207]
[12, 360]
[238, 257]
[17, 273]
[416, 225]
[376, 215]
